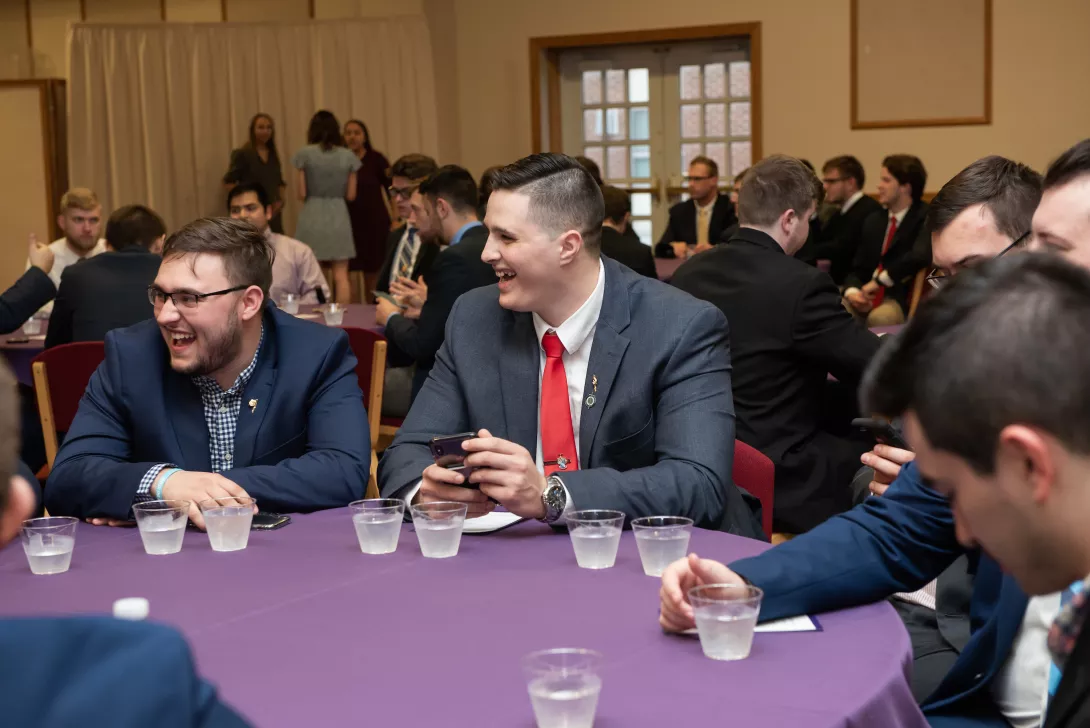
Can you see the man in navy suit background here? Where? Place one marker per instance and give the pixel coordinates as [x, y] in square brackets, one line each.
[89, 671]
[589, 385]
[906, 538]
[221, 395]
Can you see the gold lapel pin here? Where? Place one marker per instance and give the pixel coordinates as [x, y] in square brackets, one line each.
[253, 405]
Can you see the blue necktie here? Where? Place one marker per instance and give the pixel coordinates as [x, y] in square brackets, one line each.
[1054, 671]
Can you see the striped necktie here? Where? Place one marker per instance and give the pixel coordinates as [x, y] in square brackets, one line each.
[1065, 632]
[405, 256]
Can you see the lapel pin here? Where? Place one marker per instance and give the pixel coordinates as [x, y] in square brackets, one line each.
[591, 399]
[253, 405]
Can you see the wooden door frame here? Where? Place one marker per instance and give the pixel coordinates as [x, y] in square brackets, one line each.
[54, 141]
[545, 71]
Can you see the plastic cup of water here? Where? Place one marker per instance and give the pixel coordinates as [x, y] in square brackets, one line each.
[33, 326]
[289, 303]
[439, 528]
[725, 617]
[595, 536]
[661, 540]
[227, 521]
[564, 685]
[378, 523]
[334, 314]
[48, 543]
[162, 525]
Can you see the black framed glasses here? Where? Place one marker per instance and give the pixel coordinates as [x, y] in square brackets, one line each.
[700, 179]
[402, 192]
[184, 299]
[937, 278]
[832, 180]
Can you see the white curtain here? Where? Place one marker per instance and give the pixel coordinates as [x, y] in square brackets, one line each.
[155, 110]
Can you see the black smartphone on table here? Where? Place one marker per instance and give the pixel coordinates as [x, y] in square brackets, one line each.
[264, 521]
[448, 453]
[881, 430]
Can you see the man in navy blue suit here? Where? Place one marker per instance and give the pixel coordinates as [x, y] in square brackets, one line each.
[221, 395]
[905, 539]
[1009, 448]
[89, 671]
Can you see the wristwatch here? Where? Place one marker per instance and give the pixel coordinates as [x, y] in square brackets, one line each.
[555, 497]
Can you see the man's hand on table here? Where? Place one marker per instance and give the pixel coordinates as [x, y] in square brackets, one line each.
[196, 487]
[681, 250]
[675, 612]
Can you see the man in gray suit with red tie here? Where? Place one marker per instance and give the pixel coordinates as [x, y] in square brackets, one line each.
[589, 386]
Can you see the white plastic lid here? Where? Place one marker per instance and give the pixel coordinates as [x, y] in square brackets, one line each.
[131, 608]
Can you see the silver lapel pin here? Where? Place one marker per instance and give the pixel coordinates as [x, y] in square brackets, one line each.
[591, 399]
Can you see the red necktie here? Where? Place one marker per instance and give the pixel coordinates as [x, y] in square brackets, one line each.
[881, 294]
[557, 437]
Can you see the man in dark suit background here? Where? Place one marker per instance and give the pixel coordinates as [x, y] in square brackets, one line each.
[444, 209]
[788, 332]
[840, 236]
[894, 245]
[628, 378]
[110, 290]
[220, 395]
[617, 245]
[407, 256]
[698, 223]
[89, 671]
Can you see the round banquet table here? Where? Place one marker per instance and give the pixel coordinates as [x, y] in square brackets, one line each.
[20, 356]
[303, 629]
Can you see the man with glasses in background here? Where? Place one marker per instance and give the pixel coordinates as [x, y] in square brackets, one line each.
[221, 395]
[408, 257]
[698, 223]
[843, 178]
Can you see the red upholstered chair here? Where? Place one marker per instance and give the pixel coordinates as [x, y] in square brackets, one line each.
[61, 375]
[756, 473]
[370, 350]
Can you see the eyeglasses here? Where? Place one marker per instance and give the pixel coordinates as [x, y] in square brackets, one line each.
[700, 179]
[158, 297]
[832, 180]
[937, 278]
[402, 192]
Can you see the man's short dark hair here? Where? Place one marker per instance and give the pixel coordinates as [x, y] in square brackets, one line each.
[1003, 343]
[455, 185]
[847, 166]
[247, 255]
[134, 225]
[563, 195]
[907, 170]
[1009, 189]
[591, 166]
[241, 189]
[617, 203]
[413, 166]
[773, 186]
[1075, 162]
[713, 168]
[9, 433]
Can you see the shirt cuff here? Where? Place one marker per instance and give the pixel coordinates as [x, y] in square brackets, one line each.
[408, 493]
[884, 279]
[143, 490]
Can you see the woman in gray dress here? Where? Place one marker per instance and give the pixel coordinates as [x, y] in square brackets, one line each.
[326, 179]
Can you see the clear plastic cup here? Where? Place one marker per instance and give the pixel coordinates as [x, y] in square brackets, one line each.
[378, 524]
[48, 543]
[564, 685]
[33, 326]
[595, 536]
[334, 314]
[227, 521]
[661, 540]
[162, 525]
[289, 303]
[725, 617]
[439, 528]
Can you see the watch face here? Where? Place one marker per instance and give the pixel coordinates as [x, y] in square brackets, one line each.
[554, 494]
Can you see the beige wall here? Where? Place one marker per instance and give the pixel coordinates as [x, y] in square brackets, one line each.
[1041, 63]
[26, 204]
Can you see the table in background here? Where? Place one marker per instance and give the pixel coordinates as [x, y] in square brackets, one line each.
[665, 267]
[20, 356]
[303, 629]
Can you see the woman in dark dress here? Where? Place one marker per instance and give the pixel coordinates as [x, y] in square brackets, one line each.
[370, 211]
[256, 162]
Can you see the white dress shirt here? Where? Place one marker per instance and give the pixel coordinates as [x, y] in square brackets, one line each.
[64, 256]
[851, 201]
[577, 336]
[1020, 690]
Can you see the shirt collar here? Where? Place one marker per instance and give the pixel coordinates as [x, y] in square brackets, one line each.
[573, 332]
[851, 201]
[211, 386]
[462, 231]
[900, 216]
[708, 206]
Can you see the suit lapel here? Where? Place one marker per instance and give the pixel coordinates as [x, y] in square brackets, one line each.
[256, 400]
[519, 379]
[716, 225]
[906, 231]
[605, 356]
[185, 412]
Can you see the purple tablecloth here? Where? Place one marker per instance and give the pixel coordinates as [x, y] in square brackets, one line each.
[303, 629]
[19, 356]
[665, 267]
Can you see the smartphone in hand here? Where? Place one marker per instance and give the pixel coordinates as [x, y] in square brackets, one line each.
[882, 431]
[448, 453]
